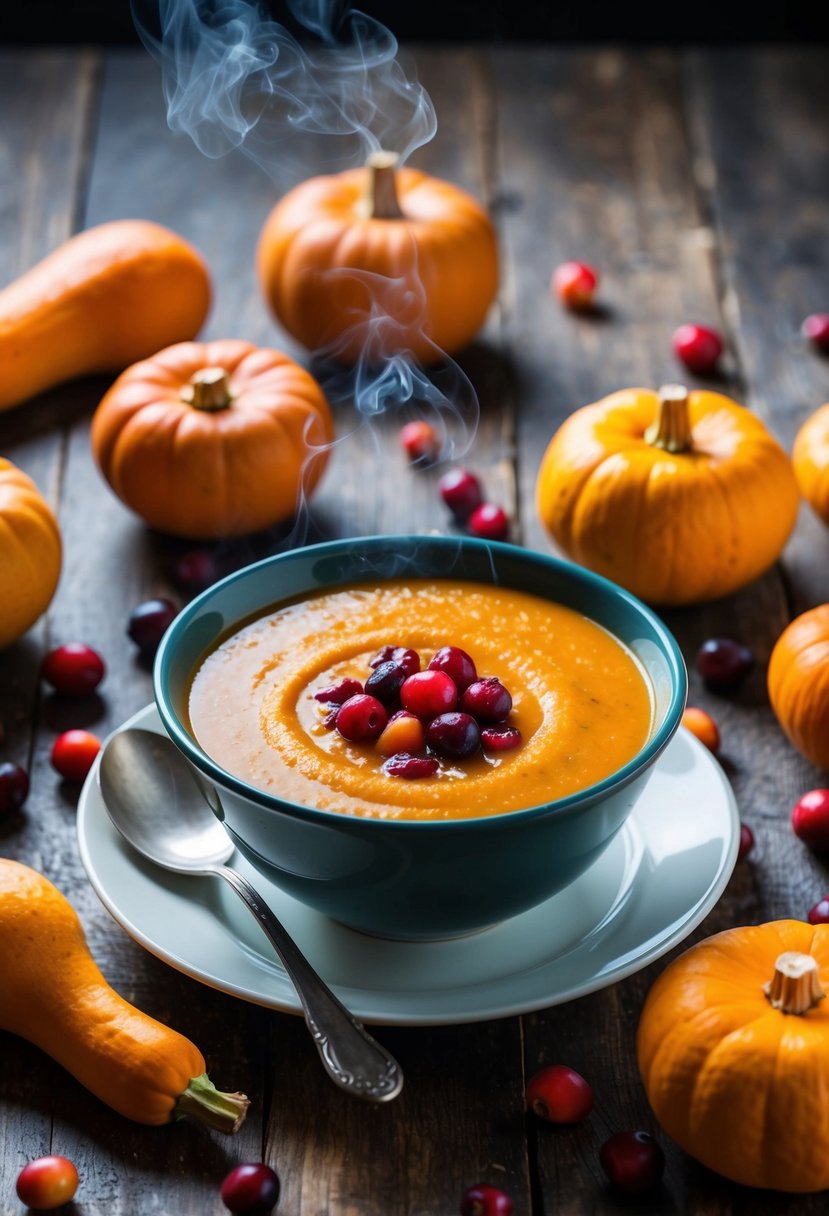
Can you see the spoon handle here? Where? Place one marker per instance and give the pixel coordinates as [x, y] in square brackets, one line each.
[351, 1057]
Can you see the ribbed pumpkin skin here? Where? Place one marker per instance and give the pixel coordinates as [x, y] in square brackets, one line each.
[370, 288]
[105, 298]
[798, 683]
[742, 1087]
[54, 995]
[30, 553]
[673, 529]
[196, 473]
[810, 458]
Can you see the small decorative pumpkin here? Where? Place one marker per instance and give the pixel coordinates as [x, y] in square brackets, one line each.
[30, 553]
[213, 440]
[733, 1050]
[679, 496]
[798, 683]
[377, 261]
[810, 459]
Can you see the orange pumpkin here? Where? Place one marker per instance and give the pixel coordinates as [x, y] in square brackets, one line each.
[679, 496]
[810, 459]
[798, 683]
[378, 261]
[213, 440]
[30, 553]
[733, 1050]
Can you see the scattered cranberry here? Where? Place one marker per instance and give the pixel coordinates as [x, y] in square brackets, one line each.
[420, 441]
[73, 754]
[361, 719]
[489, 522]
[575, 284]
[74, 669]
[149, 622]
[428, 693]
[485, 1200]
[559, 1094]
[701, 724]
[408, 659]
[339, 692]
[385, 682]
[633, 1161]
[250, 1189]
[14, 787]
[196, 570]
[723, 663]
[698, 347]
[819, 915]
[457, 664]
[461, 491]
[456, 735]
[810, 819]
[816, 329]
[746, 841]
[402, 764]
[47, 1182]
[487, 700]
[501, 738]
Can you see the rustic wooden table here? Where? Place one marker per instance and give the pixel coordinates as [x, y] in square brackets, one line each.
[699, 183]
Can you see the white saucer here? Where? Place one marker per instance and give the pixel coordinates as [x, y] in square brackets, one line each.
[652, 886]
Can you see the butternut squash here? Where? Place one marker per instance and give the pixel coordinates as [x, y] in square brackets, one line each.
[54, 995]
[104, 299]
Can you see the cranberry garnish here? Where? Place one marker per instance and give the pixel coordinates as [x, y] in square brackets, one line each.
[402, 764]
[361, 719]
[73, 754]
[14, 787]
[487, 700]
[819, 915]
[149, 622]
[339, 692]
[329, 719]
[403, 656]
[633, 1161]
[698, 347]
[419, 440]
[816, 329]
[723, 663]
[74, 669]
[428, 693]
[810, 819]
[701, 724]
[250, 1189]
[456, 735]
[559, 1094]
[489, 522]
[385, 681]
[501, 738]
[575, 284]
[403, 733]
[457, 664]
[485, 1200]
[461, 491]
[746, 841]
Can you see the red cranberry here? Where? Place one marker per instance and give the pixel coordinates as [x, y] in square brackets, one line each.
[47, 1182]
[485, 1200]
[455, 735]
[457, 664]
[250, 1190]
[428, 693]
[196, 570]
[810, 819]
[385, 682]
[487, 700]
[559, 1094]
[14, 787]
[73, 754]
[420, 441]
[575, 284]
[698, 347]
[461, 491]
[361, 719]
[819, 915]
[489, 522]
[723, 663]
[406, 658]
[746, 841]
[404, 764]
[339, 692]
[501, 738]
[74, 669]
[149, 622]
[816, 329]
[633, 1161]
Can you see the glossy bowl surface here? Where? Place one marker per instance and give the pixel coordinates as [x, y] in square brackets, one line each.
[404, 878]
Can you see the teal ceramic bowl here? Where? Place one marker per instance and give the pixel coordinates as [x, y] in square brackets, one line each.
[403, 878]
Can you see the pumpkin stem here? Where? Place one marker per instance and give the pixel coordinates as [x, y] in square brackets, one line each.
[208, 389]
[795, 986]
[202, 1101]
[382, 201]
[672, 429]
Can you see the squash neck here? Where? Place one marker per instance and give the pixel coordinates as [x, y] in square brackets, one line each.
[672, 429]
[208, 389]
[795, 986]
[381, 201]
[202, 1101]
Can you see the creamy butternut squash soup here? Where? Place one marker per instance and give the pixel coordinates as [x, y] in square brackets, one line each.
[581, 701]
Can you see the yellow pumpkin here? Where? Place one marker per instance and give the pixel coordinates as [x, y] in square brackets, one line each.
[733, 1050]
[679, 496]
[810, 459]
[30, 553]
[798, 683]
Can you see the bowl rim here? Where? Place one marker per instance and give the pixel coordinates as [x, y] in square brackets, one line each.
[617, 780]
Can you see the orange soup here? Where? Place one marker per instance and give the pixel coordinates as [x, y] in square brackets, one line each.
[581, 700]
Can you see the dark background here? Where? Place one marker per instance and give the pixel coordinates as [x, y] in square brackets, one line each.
[703, 21]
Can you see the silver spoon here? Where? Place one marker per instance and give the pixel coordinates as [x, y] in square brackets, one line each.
[159, 805]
